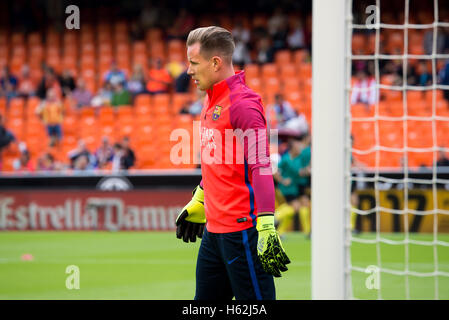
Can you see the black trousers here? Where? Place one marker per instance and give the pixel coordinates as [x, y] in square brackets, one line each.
[228, 266]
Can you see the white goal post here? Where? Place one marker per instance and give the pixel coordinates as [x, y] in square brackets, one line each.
[330, 72]
[332, 238]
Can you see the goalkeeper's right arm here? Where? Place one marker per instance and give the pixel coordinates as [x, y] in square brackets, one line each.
[190, 222]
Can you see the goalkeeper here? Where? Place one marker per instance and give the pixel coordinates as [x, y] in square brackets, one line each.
[233, 207]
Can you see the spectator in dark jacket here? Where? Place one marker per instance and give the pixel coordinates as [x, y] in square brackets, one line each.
[66, 82]
[8, 84]
[442, 161]
[6, 137]
[129, 157]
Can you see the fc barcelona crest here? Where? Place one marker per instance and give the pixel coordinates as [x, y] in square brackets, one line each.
[217, 112]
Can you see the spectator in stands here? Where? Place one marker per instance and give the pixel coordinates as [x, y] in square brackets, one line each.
[129, 157]
[66, 82]
[49, 80]
[121, 96]
[149, 16]
[182, 25]
[104, 96]
[265, 51]
[117, 158]
[23, 163]
[392, 72]
[51, 112]
[296, 37]
[281, 110]
[104, 153]
[182, 82]
[81, 96]
[159, 79]
[442, 41]
[27, 86]
[6, 137]
[175, 68]
[241, 33]
[278, 29]
[293, 177]
[46, 162]
[115, 75]
[423, 75]
[8, 84]
[136, 83]
[364, 89]
[136, 33]
[241, 54]
[444, 78]
[82, 163]
[443, 160]
[81, 151]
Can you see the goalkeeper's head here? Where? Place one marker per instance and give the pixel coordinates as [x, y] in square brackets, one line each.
[209, 51]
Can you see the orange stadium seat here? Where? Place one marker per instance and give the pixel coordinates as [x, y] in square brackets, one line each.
[305, 71]
[36, 53]
[255, 84]
[383, 109]
[272, 86]
[17, 38]
[252, 71]
[395, 43]
[283, 57]
[419, 108]
[109, 130]
[3, 106]
[179, 100]
[300, 56]
[157, 50]
[34, 38]
[428, 96]
[143, 110]
[360, 110]
[415, 96]
[358, 43]
[161, 99]
[288, 70]
[290, 85]
[390, 159]
[106, 114]
[70, 126]
[396, 108]
[16, 107]
[17, 126]
[153, 35]
[4, 37]
[124, 111]
[441, 108]
[142, 99]
[269, 70]
[294, 97]
[391, 95]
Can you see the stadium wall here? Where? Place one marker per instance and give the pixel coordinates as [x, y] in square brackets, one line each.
[151, 201]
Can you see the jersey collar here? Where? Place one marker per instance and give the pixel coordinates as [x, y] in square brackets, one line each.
[218, 88]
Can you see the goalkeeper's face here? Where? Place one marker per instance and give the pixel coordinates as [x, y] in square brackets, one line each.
[201, 69]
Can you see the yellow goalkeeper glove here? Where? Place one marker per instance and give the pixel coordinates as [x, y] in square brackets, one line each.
[190, 222]
[269, 247]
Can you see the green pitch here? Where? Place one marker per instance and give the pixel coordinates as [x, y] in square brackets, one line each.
[156, 265]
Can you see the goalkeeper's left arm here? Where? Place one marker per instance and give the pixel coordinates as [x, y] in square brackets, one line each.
[269, 246]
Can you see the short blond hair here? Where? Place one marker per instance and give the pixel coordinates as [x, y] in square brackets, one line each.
[213, 40]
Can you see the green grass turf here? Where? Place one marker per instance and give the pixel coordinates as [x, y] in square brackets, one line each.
[156, 265]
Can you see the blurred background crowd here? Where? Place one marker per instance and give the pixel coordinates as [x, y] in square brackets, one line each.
[107, 96]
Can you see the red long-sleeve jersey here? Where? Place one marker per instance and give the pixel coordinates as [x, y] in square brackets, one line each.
[235, 163]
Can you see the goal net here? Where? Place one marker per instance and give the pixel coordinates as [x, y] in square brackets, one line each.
[397, 186]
